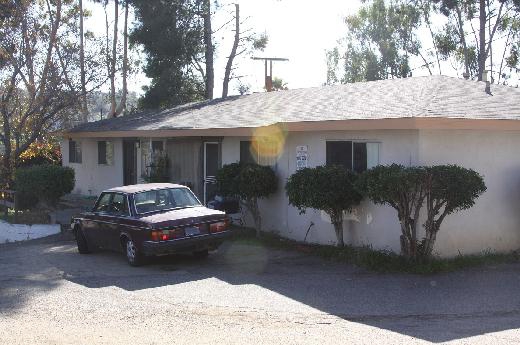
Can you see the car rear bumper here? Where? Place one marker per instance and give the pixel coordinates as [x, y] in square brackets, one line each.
[201, 242]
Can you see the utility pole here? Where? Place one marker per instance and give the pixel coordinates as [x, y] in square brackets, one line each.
[269, 77]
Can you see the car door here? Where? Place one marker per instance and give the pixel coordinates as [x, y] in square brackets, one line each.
[119, 214]
[100, 219]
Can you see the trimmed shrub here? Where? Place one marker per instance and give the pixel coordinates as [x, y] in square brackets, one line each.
[248, 183]
[42, 183]
[327, 188]
[401, 188]
[444, 189]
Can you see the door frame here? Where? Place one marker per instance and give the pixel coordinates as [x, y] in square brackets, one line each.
[128, 142]
[204, 165]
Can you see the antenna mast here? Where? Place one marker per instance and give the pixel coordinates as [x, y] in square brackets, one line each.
[269, 77]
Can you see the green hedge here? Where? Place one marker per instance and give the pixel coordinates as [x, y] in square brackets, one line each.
[45, 183]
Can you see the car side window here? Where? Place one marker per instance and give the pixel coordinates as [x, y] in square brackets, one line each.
[103, 204]
[119, 205]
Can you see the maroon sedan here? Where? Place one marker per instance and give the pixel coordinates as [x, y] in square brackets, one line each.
[148, 220]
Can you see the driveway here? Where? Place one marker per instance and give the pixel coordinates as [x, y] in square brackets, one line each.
[49, 294]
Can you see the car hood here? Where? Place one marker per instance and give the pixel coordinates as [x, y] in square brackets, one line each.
[182, 216]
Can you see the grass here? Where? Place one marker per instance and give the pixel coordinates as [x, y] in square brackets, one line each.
[378, 261]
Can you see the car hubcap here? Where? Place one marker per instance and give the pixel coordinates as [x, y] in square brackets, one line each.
[130, 250]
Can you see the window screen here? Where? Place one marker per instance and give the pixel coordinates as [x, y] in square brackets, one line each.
[339, 153]
[356, 156]
[157, 146]
[105, 152]
[245, 152]
[74, 151]
[102, 152]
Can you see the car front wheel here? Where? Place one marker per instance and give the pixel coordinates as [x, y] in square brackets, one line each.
[133, 256]
[82, 243]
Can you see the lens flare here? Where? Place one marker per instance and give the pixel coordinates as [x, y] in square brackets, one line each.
[267, 143]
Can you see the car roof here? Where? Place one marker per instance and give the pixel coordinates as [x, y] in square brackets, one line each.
[143, 187]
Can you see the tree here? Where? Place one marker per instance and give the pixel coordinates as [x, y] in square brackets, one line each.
[241, 44]
[327, 188]
[461, 40]
[209, 49]
[403, 189]
[39, 90]
[444, 189]
[448, 189]
[248, 183]
[171, 33]
[382, 37]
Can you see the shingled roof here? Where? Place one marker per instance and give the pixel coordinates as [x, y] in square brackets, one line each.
[417, 97]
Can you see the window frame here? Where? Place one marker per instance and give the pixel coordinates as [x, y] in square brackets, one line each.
[109, 148]
[356, 141]
[256, 160]
[73, 154]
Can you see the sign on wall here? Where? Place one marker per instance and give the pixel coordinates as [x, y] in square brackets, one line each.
[302, 157]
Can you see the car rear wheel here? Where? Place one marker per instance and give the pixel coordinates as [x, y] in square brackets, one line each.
[133, 256]
[82, 243]
[201, 254]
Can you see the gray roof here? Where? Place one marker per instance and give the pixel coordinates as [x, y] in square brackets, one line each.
[417, 97]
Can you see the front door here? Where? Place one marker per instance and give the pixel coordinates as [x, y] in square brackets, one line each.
[129, 162]
[211, 165]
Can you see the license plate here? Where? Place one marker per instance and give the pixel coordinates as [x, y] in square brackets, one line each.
[192, 231]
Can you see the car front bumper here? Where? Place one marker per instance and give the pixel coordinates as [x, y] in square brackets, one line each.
[201, 242]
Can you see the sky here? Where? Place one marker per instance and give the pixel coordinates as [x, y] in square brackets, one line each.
[299, 30]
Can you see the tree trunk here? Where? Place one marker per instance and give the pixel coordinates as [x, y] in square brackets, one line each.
[113, 63]
[121, 108]
[337, 221]
[463, 40]
[83, 107]
[482, 39]
[229, 65]
[208, 42]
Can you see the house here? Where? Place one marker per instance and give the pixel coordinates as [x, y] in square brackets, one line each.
[412, 121]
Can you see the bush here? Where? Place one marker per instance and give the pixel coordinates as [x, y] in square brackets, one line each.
[248, 183]
[327, 188]
[444, 189]
[44, 183]
[401, 188]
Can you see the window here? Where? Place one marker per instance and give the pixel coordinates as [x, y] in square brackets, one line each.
[157, 146]
[164, 199]
[103, 203]
[245, 152]
[74, 151]
[119, 205]
[356, 156]
[263, 152]
[105, 152]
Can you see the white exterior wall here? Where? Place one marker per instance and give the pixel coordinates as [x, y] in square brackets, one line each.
[493, 223]
[371, 225]
[91, 177]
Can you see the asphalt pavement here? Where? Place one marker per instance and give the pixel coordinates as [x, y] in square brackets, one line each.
[50, 294]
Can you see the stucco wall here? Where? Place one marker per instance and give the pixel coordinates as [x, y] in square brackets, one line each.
[91, 177]
[370, 224]
[493, 223]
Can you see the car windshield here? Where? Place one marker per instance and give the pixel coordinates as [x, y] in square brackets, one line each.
[164, 199]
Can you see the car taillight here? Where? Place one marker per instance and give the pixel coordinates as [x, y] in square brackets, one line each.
[165, 235]
[219, 226]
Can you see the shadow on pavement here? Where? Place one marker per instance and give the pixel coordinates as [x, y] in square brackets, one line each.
[434, 308]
